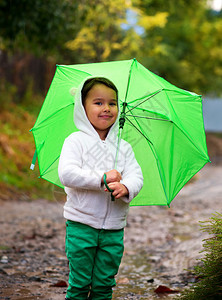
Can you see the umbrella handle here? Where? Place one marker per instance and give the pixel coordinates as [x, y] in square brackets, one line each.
[110, 190]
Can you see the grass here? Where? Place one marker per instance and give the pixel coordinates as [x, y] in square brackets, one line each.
[16, 152]
[209, 273]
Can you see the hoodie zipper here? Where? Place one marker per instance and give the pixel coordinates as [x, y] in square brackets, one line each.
[107, 211]
[108, 196]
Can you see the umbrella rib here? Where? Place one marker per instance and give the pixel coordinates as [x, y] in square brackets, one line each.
[145, 100]
[64, 107]
[191, 141]
[156, 157]
[44, 172]
[164, 89]
[184, 131]
[68, 67]
[138, 99]
[142, 117]
[139, 131]
[129, 77]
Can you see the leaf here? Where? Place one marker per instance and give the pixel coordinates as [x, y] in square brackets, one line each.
[60, 283]
[162, 289]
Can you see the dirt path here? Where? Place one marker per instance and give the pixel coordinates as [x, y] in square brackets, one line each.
[160, 243]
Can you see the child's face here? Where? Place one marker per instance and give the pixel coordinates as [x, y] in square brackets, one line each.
[101, 108]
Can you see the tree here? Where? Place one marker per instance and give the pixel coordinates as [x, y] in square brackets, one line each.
[102, 36]
[38, 26]
[32, 39]
[182, 43]
[210, 271]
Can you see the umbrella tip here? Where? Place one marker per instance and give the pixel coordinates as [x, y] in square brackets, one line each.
[32, 166]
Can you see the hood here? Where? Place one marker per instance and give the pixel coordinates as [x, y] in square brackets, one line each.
[82, 122]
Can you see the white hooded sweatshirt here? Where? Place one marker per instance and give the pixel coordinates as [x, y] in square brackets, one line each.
[84, 160]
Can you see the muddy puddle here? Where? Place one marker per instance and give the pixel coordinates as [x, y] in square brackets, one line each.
[161, 245]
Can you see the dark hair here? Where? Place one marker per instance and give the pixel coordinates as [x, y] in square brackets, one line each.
[96, 80]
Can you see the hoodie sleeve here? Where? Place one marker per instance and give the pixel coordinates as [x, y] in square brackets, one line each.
[71, 173]
[132, 176]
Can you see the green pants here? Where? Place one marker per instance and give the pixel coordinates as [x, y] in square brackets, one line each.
[94, 257]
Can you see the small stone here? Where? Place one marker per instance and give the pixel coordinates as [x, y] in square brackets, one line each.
[123, 280]
[154, 258]
[4, 259]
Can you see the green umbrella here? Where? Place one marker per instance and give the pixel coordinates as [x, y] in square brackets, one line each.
[163, 123]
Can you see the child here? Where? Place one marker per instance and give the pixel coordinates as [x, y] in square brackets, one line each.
[94, 227]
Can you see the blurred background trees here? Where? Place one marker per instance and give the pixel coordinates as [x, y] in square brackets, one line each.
[177, 39]
[182, 42]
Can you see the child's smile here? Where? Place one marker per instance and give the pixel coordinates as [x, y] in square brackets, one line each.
[101, 108]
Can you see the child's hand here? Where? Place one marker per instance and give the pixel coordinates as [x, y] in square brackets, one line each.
[119, 189]
[112, 176]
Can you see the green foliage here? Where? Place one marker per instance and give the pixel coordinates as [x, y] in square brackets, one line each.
[16, 151]
[101, 37]
[184, 47]
[36, 26]
[7, 92]
[179, 40]
[209, 273]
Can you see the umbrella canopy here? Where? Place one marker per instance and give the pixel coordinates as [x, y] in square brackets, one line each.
[163, 123]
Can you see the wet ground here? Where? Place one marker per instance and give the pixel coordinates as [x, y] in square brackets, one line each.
[161, 244]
